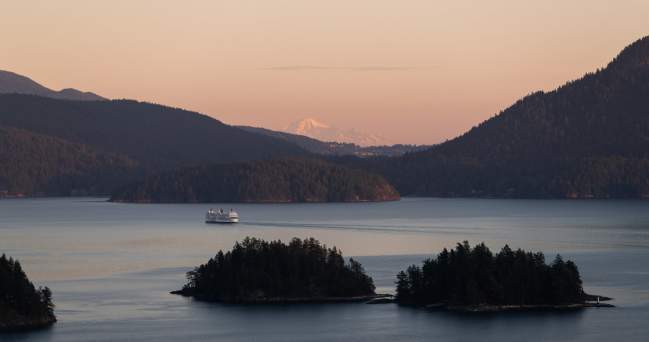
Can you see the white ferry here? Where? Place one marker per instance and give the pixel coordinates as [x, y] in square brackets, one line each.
[221, 216]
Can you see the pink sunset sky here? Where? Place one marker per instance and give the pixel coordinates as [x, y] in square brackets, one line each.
[412, 71]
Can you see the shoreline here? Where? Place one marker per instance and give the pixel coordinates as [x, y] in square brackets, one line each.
[590, 301]
[284, 300]
[505, 308]
[21, 324]
[396, 199]
[390, 299]
[434, 196]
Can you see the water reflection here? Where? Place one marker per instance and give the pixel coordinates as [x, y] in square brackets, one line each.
[111, 266]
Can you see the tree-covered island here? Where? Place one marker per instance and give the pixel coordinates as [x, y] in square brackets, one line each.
[474, 279]
[268, 181]
[22, 306]
[258, 271]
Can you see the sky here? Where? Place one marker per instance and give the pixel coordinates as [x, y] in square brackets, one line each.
[412, 71]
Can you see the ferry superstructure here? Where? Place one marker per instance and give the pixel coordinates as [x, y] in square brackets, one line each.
[221, 216]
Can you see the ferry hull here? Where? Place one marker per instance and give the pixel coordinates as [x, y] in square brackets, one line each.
[222, 222]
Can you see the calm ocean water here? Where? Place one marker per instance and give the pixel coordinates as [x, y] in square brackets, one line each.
[112, 265]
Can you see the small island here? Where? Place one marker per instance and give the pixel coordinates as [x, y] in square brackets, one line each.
[22, 306]
[257, 271]
[475, 280]
[285, 180]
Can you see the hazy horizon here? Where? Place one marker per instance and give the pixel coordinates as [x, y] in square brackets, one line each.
[420, 72]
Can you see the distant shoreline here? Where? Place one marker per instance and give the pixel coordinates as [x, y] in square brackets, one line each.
[107, 199]
[258, 202]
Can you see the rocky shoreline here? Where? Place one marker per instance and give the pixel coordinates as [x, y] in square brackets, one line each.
[502, 308]
[283, 300]
[590, 301]
[19, 323]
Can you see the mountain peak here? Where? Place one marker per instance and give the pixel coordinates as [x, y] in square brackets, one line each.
[319, 130]
[634, 55]
[305, 125]
[12, 83]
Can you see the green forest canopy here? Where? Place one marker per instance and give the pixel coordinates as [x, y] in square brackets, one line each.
[257, 270]
[20, 302]
[281, 180]
[474, 276]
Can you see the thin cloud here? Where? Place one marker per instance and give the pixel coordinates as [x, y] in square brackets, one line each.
[343, 68]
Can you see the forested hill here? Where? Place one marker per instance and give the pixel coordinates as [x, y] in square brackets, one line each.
[158, 137]
[33, 163]
[588, 138]
[475, 277]
[258, 271]
[283, 180]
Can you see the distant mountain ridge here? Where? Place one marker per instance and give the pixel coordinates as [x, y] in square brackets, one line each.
[330, 148]
[155, 135]
[145, 138]
[316, 129]
[587, 139]
[12, 83]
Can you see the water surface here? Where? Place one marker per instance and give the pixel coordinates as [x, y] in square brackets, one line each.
[112, 265]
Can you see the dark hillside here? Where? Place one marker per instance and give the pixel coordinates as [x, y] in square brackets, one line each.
[39, 164]
[588, 138]
[155, 135]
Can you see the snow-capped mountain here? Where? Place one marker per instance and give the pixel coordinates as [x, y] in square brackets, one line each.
[316, 129]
